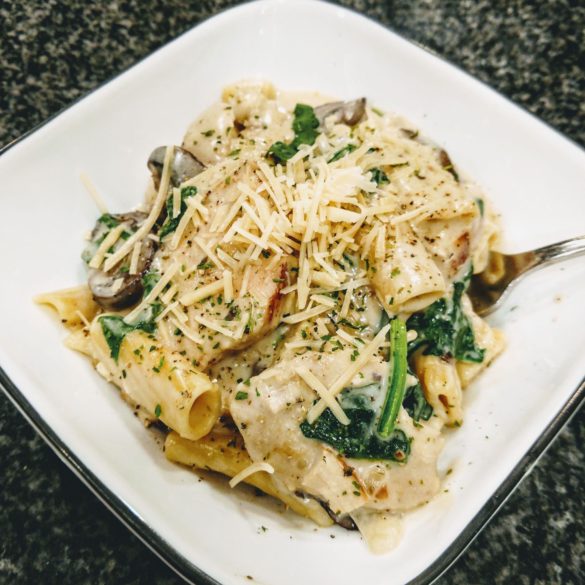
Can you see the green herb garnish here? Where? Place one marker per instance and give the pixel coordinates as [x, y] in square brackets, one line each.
[115, 328]
[108, 220]
[206, 265]
[171, 223]
[241, 395]
[342, 152]
[351, 325]
[149, 281]
[379, 176]
[305, 125]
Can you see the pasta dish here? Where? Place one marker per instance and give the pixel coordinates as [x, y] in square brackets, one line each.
[289, 303]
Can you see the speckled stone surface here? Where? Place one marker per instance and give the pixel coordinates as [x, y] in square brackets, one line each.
[52, 529]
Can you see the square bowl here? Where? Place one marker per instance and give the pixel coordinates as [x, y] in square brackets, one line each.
[205, 531]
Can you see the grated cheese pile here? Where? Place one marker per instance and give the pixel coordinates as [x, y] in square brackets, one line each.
[261, 242]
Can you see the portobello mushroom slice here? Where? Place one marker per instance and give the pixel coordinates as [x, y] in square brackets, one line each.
[184, 166]
[117, 289]
[343, 520]
[350, 113]
[446, 163]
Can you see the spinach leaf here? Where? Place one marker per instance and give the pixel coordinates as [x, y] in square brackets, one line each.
[114, 329]
[171, 223]
[108, 220]
[304, 125]
[379, 176]
[398, 366]
[443, 329]
[358, 438]
[416, 404]
[281, 152]
[149, 281]
[342, 152]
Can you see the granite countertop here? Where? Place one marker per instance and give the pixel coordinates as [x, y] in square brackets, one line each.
[52, 529]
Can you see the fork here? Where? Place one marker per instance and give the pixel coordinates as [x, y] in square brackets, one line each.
[489, 288]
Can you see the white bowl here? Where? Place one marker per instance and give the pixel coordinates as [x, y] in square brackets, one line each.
[205, 531]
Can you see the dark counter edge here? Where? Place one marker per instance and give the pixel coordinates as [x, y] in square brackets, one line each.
[177, 562]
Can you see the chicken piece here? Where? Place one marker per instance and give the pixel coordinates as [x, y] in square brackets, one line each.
[237, 367]
[248, 113]
[205, 325]
[270, 409]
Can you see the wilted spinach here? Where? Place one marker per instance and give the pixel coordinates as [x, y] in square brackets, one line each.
[443, 329]
[171, 223]
[304, 125]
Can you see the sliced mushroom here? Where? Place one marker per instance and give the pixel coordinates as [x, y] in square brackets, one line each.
[344, 520]
[117, 289]
[445, 162]
[184, 165]
[350, 113]
[412, 134]
[111, 293]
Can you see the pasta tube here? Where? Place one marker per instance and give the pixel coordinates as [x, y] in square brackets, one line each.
[492, 340]
[160, 380]
[73, 305]
[226, 454]
[441, 386]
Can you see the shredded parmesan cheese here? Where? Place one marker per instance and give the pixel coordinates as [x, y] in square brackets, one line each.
[228, 286]
[337, 214]
[180, 230]
[251, 470]
[187, 331]
[153, 294]
[134, 259]
[176, 202]
[209, 323]
[117, 285]
[353, 368]
[93, 192]
[315, 384]
[210, 253]
[152, 216]
[304, 315]
[245, 280]
[202, 292]
[106, 244]
[342, 334]
[323, 300]
[346, 301]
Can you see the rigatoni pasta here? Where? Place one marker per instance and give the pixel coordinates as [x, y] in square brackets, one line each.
[290, 303]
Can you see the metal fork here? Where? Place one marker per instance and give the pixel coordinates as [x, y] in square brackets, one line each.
[488, 289]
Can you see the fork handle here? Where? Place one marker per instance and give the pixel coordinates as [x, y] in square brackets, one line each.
[559, 251]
